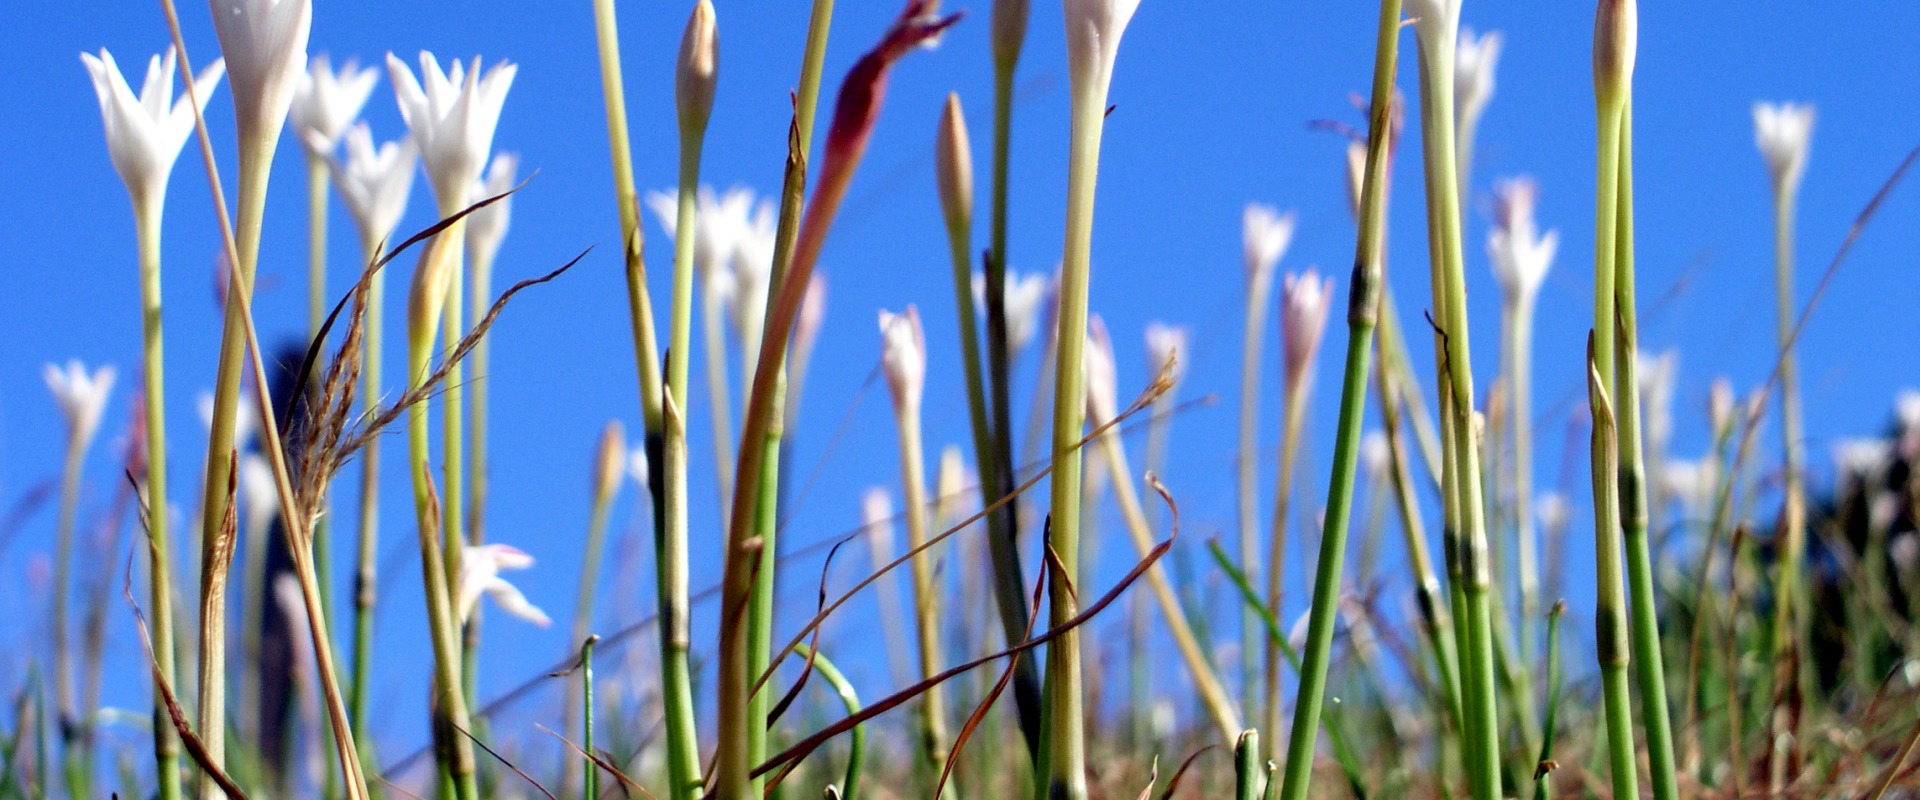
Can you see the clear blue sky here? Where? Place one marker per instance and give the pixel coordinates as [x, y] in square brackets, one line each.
[1214, 105]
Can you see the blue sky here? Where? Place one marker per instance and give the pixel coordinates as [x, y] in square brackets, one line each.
[1214, 105]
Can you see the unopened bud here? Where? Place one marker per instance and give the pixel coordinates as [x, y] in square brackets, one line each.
[1009, 32]
[698, 69]
[1720, 406]
[954, 163]
[1616, 35]
[609, 461]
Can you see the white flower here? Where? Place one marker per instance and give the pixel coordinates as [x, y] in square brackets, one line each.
[1720, 406]
[258, 493]
[903, 354]
[1376, 453]
[145, 134]
[246, 420]
[753, 248]
[265, 44]
[638, 467]
[374, 183]
[1692, 483]
[1858, 459]
[813, 312]
[1167, 343]
[1023, 299]
[719, 222]
[1094, 28]
[1554, 511]
[326, 102]
[1520, 254]
[480, 568]
[609, 460]
[1303, 318]
[82, 397]
[1907, 410]
[1783, 132]
[487, 226]
[1473, 65]
[1265, 234]
[876, 520]
[1655, 374]
[1102, 373]
[452, 116]
[1435, 21]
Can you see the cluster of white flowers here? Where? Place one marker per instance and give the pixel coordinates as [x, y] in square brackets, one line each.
[1026, 299]
[734, 238]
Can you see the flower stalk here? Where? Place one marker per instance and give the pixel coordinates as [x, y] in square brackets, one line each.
[1610, 609]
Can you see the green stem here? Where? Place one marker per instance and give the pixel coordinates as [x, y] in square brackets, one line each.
[1296, 417]
[1610, 609]
[856, 738]
[453, 437]
[586, 712]
[926, 602]
[366, 584]
[70, 722]
[479, 436]
[166, 740]
[1542, 783]
[583, 613]
[1437, 623]
[1647, 656]
[1362, 315]
[1247, 472]
[684, 767]
[1248, 776]
[1783, 646]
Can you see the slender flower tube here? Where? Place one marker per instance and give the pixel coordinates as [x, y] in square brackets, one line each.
[904, 362]
[876, 522]
[264, 44]
[144, 137]
[324, 104]
[1265, 235]
[1783, 133]
[1304, 301]
[374, 184]
[1475, 59]
[82, 397]
[1094, 29]
[486, 229]
[1521, 256]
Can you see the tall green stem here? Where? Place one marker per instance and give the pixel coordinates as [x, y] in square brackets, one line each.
[588, 588]
[365, 583]
[1294, 421]
[926, 602]
[256, 158]
[1247, 472]
[1648, 660]
[317, 307]
[1783, 644]
[70, 723]
[1363, 309]
[166, 740]
[1610, 610]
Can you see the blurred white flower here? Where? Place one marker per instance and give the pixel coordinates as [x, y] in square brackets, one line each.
[1692, 484]
[752, 270]
[487, 226]
[145, 133]
[265, 45]
[326, 102]
[1656, 374]
[1554, 511]
[876, 520]
[1861, 460]
[903, 355]
[1520, 254]
[1024, 297]
[813, 313]
[258, 494]
[452, 116]
[1907, 411]
[1101, 373]
[1167, 344]
[638, 468]
[1304, 299]
[719, 222]
[246, 419]
[82, 396]
[1376, 454]
[1435, 21]
[1783, 132]
[609, 461]
[1265, 234]
[1474, 62]
[480, 568]
[1720, 406]
[375, 183]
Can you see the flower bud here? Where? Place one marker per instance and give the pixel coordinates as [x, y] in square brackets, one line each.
[904, 358]
[1009, 32]
[1720, 406]
[698, 69]
[954, 163]
[1304, 300]
[1783, 131]
[1616, 34]
[1473, 65]
[1264, 235]
[609, 461]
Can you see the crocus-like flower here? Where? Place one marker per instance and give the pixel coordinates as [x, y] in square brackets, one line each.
[452, 117]
[374, 183]
[1265, 234]
[1167, 344]
[1376, 454]
[1303, 318]
[326, 102]
[265, 45]
[487, 226]
[903, 354]
[1783, 132]
[1521, 255]
[1024, 298]
[145, 133]
[480, 568]
[81, 396]
[1102, 374]
[1094, 28]
[1473, 65]
[720, 221]
[1435, 21]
